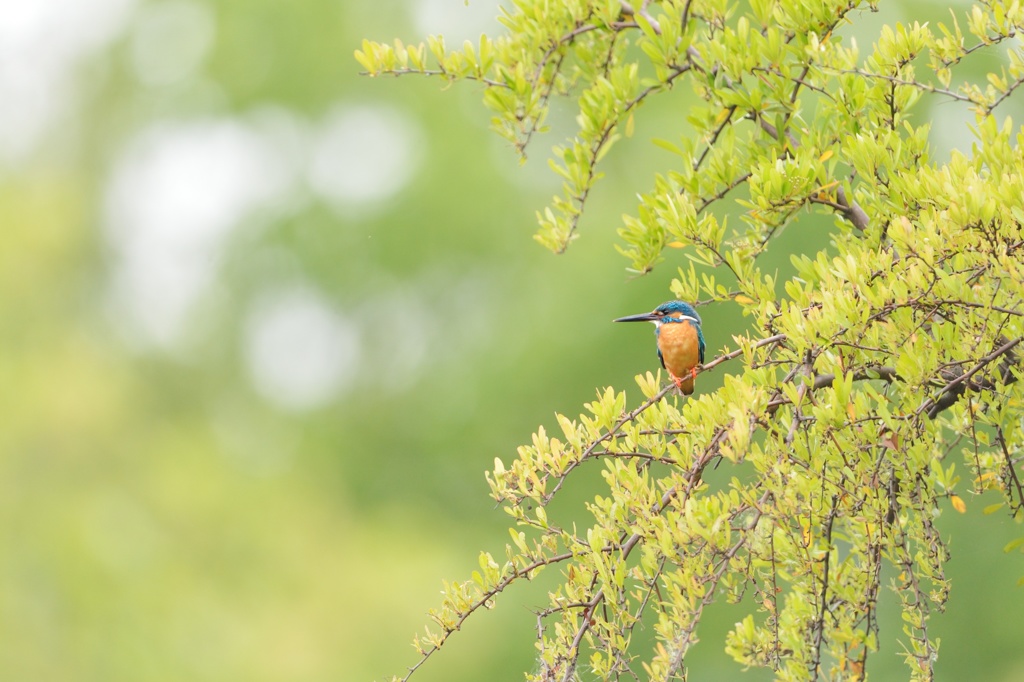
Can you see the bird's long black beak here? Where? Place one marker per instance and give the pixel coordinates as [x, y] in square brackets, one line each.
[642, 317]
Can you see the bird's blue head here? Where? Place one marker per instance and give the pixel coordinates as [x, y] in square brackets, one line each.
[670, 311]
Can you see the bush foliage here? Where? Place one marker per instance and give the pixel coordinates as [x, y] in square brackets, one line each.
[878, 386]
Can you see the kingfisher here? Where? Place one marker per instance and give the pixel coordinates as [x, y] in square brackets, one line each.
[680, 340]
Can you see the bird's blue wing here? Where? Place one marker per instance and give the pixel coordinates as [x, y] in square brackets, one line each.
[700, 343]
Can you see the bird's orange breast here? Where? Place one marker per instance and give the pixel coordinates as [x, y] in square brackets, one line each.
[680, 350]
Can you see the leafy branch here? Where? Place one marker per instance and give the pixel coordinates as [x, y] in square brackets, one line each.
[869, 379]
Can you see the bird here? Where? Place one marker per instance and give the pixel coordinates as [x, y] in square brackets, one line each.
[680, 340]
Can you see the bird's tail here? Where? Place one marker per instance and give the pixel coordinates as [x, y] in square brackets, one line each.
[684, 384]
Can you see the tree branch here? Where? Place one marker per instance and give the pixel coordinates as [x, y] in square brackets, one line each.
[952, 391]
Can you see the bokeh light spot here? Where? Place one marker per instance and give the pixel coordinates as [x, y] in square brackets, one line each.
[456, 20]
[300, 352]
[41, 44]
[364, 154]
[175, 195]
[170, 40]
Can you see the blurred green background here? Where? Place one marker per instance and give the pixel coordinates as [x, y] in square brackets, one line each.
[264, 323]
